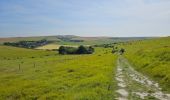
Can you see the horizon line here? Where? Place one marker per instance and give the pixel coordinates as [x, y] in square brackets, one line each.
[80, 36]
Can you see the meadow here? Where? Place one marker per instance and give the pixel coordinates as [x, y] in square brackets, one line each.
[152, 58]
[28, 74]
[42, 74]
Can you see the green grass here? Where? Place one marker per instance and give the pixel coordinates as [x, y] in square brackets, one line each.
[47, 75]
[151, 57]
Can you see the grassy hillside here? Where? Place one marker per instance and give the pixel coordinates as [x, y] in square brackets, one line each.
[151, 57]
[36, 38]
[27, 74]
[69, 39]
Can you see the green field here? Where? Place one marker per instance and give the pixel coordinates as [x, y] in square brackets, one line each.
[53, 46]
[31, 74]
[35, 74]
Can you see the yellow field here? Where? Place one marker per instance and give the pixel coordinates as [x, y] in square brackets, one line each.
[53, 46]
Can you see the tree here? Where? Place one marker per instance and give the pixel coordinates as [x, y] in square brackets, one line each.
[71, 50]
[62, 50]
[91, 50]
[82, 50]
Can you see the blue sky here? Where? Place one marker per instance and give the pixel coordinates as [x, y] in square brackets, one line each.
[85, 17]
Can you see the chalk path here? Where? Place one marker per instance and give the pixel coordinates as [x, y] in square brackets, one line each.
[132, 85]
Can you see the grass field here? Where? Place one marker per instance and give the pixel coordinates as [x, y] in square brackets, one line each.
[151, 57]
[49, 47]
[55, 46]
[27, 74]
[30, 74]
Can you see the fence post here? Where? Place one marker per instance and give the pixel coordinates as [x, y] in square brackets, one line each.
[19, 66]
[108, 87]
[34, 65]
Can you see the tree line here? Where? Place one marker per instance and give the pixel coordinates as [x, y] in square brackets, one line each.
[72, 50]
[28, 44]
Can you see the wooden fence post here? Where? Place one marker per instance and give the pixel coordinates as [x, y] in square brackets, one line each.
[19, 66]
[34, 65]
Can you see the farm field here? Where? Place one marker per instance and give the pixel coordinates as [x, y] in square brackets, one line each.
[37, 74]
[53, 46]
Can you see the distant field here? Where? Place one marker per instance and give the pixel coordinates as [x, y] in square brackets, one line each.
[55, 46]
[49, 47]
[65, 39]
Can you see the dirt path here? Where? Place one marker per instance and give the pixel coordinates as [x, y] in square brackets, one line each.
[132, 85]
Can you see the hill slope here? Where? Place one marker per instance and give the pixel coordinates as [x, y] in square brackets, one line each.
[34, 74]
[73, 40]
[151, 57]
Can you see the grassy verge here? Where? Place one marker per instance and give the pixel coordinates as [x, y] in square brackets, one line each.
[152, 57]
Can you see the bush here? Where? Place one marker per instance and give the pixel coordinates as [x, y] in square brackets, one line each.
[122, 51]
[62, 50]
[115, 49]
[91, 50]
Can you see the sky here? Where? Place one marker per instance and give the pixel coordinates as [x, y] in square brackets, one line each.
[116, 18]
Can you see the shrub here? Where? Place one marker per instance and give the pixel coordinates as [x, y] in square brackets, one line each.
[122, 51]
[62, 50]
[91, 50]
[115, 49]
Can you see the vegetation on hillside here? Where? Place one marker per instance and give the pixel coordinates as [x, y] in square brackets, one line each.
[110, 45]
[28, 44]
[152, 57]
[72, 40]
